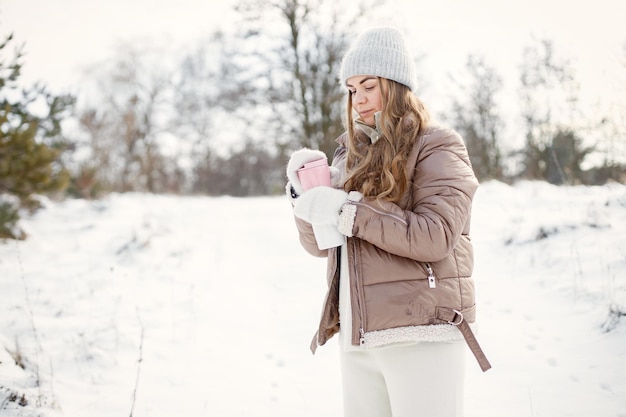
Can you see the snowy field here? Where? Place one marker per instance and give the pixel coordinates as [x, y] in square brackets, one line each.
[157, 306]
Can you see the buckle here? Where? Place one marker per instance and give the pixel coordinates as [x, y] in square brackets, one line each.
[456, 323]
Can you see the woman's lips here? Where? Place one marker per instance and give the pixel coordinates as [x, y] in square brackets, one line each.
[365, 113]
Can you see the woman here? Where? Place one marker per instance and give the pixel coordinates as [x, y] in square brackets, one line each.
[400, 288]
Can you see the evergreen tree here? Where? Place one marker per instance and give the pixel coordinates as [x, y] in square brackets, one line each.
[31, 143]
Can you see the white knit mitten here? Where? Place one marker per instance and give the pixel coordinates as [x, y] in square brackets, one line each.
[320, 205]
[297, 161]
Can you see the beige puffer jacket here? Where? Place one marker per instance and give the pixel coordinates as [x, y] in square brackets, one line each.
[408, 262]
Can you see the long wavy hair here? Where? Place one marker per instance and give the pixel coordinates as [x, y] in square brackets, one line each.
[378, 169]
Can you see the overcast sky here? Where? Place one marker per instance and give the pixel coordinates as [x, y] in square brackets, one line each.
[64, 36]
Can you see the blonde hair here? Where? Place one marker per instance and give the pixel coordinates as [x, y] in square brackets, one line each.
[378, 169]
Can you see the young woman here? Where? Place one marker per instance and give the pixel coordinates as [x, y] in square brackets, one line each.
[401, 292]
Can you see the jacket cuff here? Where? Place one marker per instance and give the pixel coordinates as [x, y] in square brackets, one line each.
[348, 213]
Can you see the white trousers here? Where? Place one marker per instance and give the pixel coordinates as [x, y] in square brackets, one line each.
[418, 380]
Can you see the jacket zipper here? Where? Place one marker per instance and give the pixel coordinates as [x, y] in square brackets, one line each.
[359, 307]
[431, 280]
[383, 213]
[432, 283]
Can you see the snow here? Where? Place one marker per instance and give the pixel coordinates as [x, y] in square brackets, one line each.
[152, 305]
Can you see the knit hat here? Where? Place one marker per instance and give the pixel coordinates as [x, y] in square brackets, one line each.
[381, 52]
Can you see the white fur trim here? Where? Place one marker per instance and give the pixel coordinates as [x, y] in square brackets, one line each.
[412, 334]
[348, 213]
[346, 219]
[355, 196]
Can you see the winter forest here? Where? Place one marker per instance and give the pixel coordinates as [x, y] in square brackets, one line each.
[134, 201]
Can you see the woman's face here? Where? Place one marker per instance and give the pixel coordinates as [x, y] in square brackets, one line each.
[366, 96]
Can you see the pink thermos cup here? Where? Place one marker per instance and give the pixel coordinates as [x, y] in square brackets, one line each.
[314, 174]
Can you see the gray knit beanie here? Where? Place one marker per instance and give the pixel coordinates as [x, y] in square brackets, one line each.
[381, 52]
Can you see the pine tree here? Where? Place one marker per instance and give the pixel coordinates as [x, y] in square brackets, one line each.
[31, 143]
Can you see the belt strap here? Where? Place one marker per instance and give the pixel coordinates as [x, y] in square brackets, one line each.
[455, 318]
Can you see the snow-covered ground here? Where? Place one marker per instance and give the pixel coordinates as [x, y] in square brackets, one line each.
[155, 306]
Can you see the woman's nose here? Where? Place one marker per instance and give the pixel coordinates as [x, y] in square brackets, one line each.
[359, 97]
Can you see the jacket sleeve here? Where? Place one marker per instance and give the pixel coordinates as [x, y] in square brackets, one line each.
[440, 206]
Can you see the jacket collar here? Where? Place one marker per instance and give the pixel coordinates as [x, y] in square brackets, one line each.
[372, 133]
